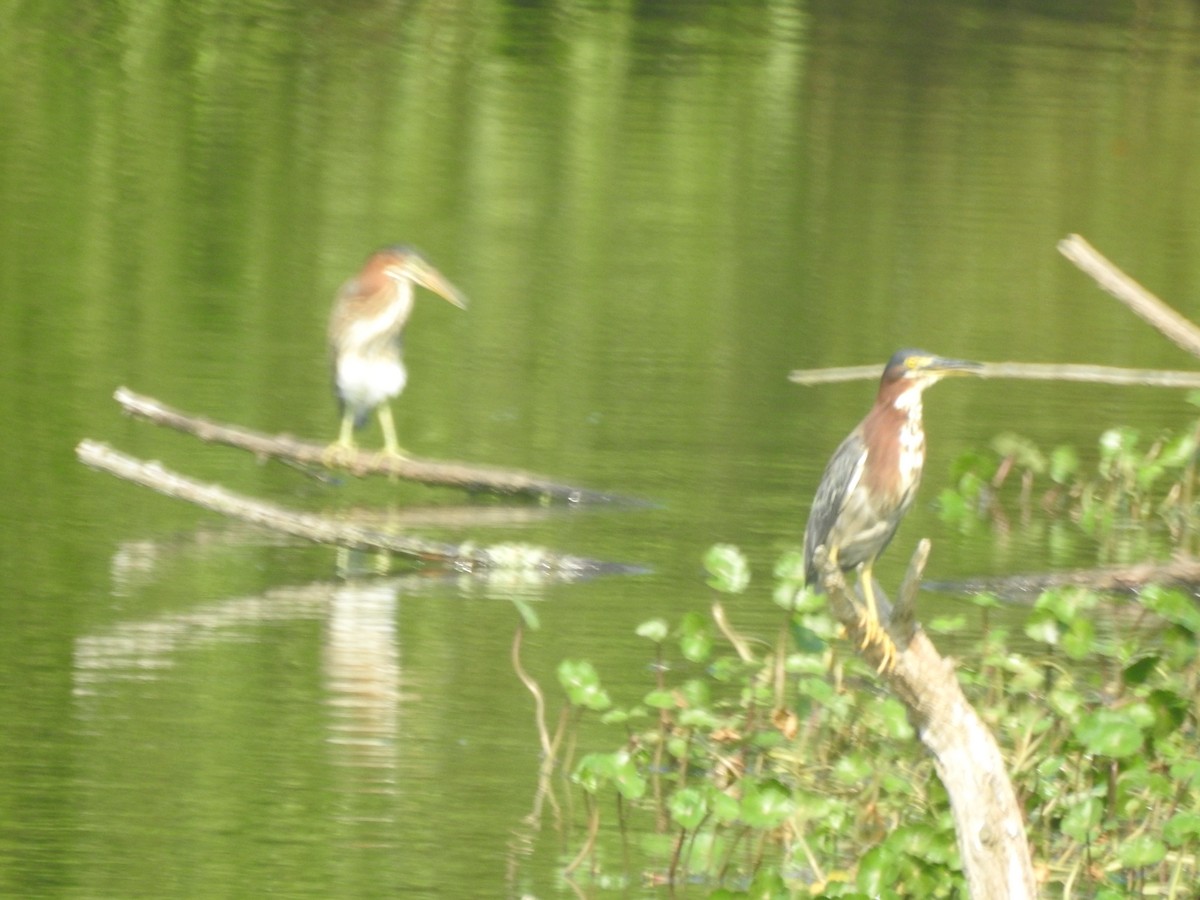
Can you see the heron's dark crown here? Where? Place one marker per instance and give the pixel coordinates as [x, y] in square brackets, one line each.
[923, 368]
[905, 361]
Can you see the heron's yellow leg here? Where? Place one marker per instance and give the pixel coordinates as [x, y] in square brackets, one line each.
[346, 434]
[390, 445]
[339, 451]
[873, 631]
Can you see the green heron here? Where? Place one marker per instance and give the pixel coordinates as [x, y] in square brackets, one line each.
[870, 482]
[369, 314]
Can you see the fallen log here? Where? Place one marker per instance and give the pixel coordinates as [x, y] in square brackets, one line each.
[359, 463]
[466, 557]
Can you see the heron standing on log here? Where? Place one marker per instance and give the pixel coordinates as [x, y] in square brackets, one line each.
[365, 332]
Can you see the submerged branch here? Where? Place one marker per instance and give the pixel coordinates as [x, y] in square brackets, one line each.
[1182, 572]
[326, 530]
[987, 817]
[1023, 371]
[305, 453]
[1145, 304]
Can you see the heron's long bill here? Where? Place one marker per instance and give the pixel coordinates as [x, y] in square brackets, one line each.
[428, 277]
[945, 366]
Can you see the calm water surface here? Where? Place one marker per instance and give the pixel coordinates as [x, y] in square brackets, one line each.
[657, 210]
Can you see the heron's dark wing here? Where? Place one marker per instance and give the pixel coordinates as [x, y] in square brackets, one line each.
[841, 475]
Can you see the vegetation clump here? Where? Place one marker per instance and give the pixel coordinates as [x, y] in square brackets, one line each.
[754, 767]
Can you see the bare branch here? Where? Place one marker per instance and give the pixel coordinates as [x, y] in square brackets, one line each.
[325, 530]
[1023, 371]
[1177, 328]
[448, 474]
[1182, 572]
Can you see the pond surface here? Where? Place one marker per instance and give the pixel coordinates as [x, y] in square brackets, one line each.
[657, 211]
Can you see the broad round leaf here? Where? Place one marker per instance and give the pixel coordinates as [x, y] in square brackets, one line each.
[1109, 732]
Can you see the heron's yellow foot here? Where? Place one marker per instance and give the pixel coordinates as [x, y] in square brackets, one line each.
[338, 455]
[391, 454]
[873, 631]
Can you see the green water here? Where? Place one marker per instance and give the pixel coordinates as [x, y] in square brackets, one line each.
[657, 210]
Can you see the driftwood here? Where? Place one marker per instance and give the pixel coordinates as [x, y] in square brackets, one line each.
[987, 818]
[327, 530]
[305, 453]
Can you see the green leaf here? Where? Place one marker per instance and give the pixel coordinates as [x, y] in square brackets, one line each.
[806, 640]
[853, 768]
[1023, 451]
[626, 777]
[1170, 712]
[616, 717]
[1079, 640]
[696, 692]
[698, 718]
[1182, 828]
[1141, 670]
[951, 506]
[695, 637]
[1141, 850]
[973, 462]
[986, 600]
[1179, 451]
[1064, 463]
[892, 719]
[1042, 625]
[1065, 604]
[727, 568]
[594, 771]
[1173, 605]
[660, 700]
[1082, 819]
[947, 624]
[655, 630]
[688, 808]
[878, 872]
[582, 684]
[790, 567]
[1109, 732]
[765, 804]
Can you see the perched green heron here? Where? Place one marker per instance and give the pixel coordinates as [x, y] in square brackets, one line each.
[365, 331]
[870, 482]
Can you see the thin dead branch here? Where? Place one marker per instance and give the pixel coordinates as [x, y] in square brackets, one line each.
[1164, 378]
[987, 818]
[305, 453]
[1110, 278]
[326, 530]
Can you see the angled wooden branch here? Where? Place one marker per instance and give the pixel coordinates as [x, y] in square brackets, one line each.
[987, 818]
[326, 530]
[1111, 279]
[447, 474]
[1176, 327]
[1023, 371]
